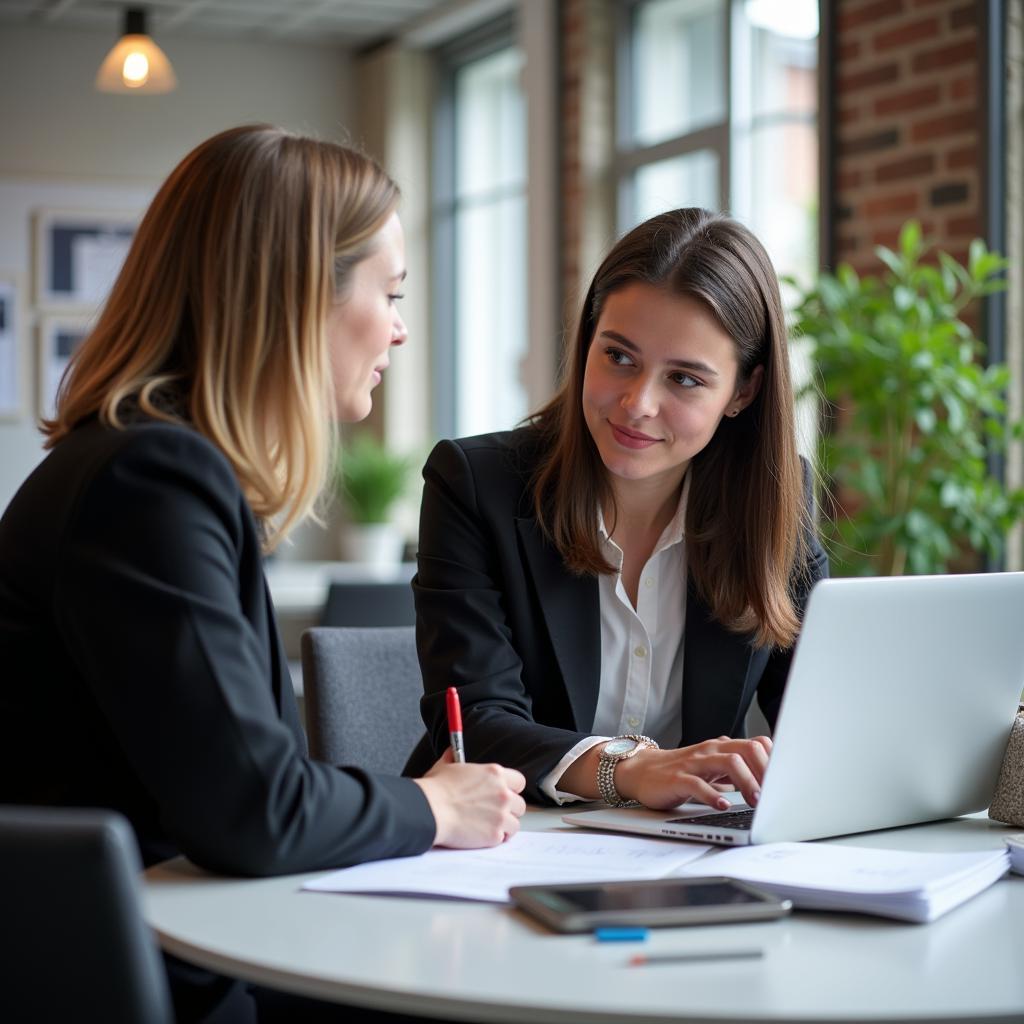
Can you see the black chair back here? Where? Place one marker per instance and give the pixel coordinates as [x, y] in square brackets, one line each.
[76, 945]
[369, 604]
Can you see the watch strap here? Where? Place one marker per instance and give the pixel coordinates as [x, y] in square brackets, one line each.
[606, 765]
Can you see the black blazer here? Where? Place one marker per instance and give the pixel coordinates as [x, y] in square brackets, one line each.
[499, 616]
[143, 670]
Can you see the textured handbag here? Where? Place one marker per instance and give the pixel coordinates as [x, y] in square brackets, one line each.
[1008, 802]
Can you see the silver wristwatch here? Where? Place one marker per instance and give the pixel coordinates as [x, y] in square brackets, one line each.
[616, 750]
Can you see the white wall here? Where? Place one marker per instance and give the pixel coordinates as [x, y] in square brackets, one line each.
[398, 89]
[56, 125]
[20, 441]
[66, 145]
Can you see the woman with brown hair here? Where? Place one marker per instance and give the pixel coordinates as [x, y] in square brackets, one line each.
[194, 428]
[610, 585]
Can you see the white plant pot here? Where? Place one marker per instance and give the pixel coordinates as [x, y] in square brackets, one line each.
[372, 543]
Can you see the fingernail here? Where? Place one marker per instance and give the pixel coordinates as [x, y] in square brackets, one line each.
[755, 797]
[721, 803]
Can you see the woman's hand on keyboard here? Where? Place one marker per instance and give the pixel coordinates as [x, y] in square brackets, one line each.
[665, 778]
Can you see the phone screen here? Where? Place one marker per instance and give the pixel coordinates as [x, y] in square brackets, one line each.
[655, 896]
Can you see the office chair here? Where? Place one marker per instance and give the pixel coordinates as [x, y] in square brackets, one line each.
[369, 604]
[362, 689]
[76, 946]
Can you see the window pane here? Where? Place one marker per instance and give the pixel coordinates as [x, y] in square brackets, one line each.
[783, 73]
[491, 316]
[489, 139]
[688, 180]
[784, 208]
[774, 130]
[775, 150]
[678, 68]
[784, 215]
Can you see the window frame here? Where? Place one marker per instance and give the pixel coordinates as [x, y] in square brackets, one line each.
[629, 157]
[719, 138]
[451, 58]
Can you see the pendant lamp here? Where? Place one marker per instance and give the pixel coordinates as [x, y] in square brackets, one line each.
[136, 64]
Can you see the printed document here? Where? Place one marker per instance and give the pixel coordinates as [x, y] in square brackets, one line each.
[893, 883]
[528, 858]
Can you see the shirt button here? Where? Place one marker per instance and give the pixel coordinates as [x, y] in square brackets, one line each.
[648, 582]
[640, 652]
[633, 722]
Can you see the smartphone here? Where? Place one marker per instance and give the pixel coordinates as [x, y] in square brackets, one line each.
[655, 902]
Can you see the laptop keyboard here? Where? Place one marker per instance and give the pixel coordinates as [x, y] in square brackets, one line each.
[725, 819]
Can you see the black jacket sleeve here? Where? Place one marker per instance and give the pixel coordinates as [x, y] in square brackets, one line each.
[147, 600]
[478, 624]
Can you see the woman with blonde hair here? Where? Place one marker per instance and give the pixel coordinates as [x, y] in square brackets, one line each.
[193, 430]
[611, 585]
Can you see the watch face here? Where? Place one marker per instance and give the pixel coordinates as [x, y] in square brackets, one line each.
[617, 747]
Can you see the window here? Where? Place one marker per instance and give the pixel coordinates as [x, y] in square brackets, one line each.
[774, 129]
[673, 145]
[480, 237]
[718, 102]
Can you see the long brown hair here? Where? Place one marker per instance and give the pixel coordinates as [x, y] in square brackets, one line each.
[222, 302]
[745, 513]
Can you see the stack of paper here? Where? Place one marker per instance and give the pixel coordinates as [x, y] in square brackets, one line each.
[892, 883]
[1016, 847]
[528, 858]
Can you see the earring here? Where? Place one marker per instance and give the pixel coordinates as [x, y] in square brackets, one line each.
[734, 412]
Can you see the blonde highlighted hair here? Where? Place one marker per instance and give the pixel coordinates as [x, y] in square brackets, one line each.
[222, 303]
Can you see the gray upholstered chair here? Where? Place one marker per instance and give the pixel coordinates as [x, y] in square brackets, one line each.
[76, 946]
[362, 689]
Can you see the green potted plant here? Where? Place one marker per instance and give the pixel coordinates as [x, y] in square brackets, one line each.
[914, 412]
[370, 479]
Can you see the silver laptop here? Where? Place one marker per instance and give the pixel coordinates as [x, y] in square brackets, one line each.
[897, 710]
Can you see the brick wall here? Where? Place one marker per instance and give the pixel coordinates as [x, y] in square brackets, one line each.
[573, 56]
[586, 146]
[908, 124]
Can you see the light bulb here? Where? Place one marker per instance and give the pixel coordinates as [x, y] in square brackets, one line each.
[136, 70]
[135, 64]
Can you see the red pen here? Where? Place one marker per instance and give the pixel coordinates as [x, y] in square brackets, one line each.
[455, 725]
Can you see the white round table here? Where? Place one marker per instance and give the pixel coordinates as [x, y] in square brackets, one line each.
[487, 962]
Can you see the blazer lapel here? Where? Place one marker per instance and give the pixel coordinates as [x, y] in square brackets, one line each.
[572, 614]
[716, 668]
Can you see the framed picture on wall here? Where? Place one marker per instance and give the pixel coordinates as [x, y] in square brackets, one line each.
[59, 336]
[12, 384]
[78, 254]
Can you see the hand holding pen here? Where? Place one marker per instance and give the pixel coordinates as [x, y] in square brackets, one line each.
[473, 804]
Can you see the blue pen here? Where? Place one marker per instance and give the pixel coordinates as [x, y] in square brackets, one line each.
[620, 934]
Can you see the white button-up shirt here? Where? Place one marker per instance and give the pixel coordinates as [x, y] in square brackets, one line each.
[641, 648]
